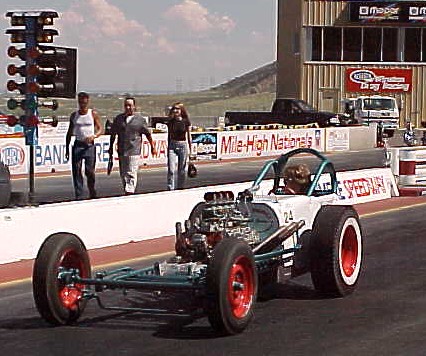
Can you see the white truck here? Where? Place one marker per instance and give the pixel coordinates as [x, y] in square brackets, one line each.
[375, 108]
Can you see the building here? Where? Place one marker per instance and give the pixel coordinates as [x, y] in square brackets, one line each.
[329, 51]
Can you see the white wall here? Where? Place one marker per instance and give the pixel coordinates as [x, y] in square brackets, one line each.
[118, 220]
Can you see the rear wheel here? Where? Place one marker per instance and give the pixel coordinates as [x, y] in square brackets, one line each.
[231, 286]
[336, 250]
[58, 303]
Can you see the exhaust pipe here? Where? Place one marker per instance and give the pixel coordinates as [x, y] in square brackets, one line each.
[274, 240]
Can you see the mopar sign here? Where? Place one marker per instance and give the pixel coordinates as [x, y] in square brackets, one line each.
[12, 155]
[388, 12]
[417, 14]
[205, 145]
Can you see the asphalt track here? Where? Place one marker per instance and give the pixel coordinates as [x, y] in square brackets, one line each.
[385, 316]
[58, 187]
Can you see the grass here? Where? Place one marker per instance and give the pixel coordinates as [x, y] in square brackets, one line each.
[210, 103]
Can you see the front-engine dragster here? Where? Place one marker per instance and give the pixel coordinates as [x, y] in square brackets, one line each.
[227, 250]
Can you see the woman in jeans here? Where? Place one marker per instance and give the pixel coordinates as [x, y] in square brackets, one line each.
[179, 143]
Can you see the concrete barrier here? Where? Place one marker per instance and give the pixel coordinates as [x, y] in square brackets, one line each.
[408, 165]
[112, 221]
[412, 167]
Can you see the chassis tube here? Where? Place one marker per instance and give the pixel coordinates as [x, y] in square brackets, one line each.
[147, 285]
[274, 240]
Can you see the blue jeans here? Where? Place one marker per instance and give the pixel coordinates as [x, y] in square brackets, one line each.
[83, 151]
[177, 160]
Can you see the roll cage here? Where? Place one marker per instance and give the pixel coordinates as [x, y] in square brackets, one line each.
[325, 167]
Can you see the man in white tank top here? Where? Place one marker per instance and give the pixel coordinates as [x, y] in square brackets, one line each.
[85, 125]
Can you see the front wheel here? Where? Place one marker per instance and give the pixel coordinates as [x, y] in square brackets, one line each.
[59, 303]
[336, 250]
[231, 286]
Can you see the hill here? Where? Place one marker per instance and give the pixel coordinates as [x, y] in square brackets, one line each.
[254, 90]
[260, 80]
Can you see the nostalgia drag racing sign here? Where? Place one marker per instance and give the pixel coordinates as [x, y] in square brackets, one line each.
[388, 12]
[379, 80]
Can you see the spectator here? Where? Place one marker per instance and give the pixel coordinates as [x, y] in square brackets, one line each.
[85, 125]
[179, 144]
[129, 127]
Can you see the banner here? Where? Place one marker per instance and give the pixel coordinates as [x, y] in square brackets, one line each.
[204, 145]
[362, 186]
[337, 139]
[14, 154]
[366, 185]
[49, 153]
[238, 144]
[379, 80]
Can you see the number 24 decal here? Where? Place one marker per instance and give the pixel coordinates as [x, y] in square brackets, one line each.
[288, 216]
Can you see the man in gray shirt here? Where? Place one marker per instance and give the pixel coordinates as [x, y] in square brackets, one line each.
[129, 127]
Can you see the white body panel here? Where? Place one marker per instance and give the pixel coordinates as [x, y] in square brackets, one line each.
[295, 208]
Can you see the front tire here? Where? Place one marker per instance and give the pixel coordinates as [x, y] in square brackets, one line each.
[57, 303]
[336, 250]
[231, 286]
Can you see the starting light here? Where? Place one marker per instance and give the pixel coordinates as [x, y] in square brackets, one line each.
[46, 36]
[32, 121]
[51, 104]
[32, 23]
[16, 36]
[48, 71]
[12, 104]
[12, 86]
[55, 71]
[50, 120]
[52, 71]
[12, 52]
[43, 18]
[13, 70]
[44, 90]
[17, 20]
[12, 120]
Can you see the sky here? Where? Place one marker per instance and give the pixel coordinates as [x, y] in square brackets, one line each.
[157, 45]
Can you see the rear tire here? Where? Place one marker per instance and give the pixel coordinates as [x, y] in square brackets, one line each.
[336, 250]
[57, 303]
[231, 286]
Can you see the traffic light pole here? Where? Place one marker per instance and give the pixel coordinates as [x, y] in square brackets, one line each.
[49, 71]
[31, 103]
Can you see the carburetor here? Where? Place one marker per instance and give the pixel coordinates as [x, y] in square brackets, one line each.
[218, 218]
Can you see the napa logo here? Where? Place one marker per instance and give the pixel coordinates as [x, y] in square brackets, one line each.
[12, 155]
[362, 76]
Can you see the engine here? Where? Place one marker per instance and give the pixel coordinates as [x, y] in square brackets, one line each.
[217, 218]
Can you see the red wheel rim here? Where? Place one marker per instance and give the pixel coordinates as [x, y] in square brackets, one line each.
[349, 254]
[241, 287]
[69, 296]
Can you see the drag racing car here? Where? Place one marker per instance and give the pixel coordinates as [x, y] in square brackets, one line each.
[229, 249]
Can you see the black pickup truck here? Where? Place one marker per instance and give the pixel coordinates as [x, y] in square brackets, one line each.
[286, 112]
